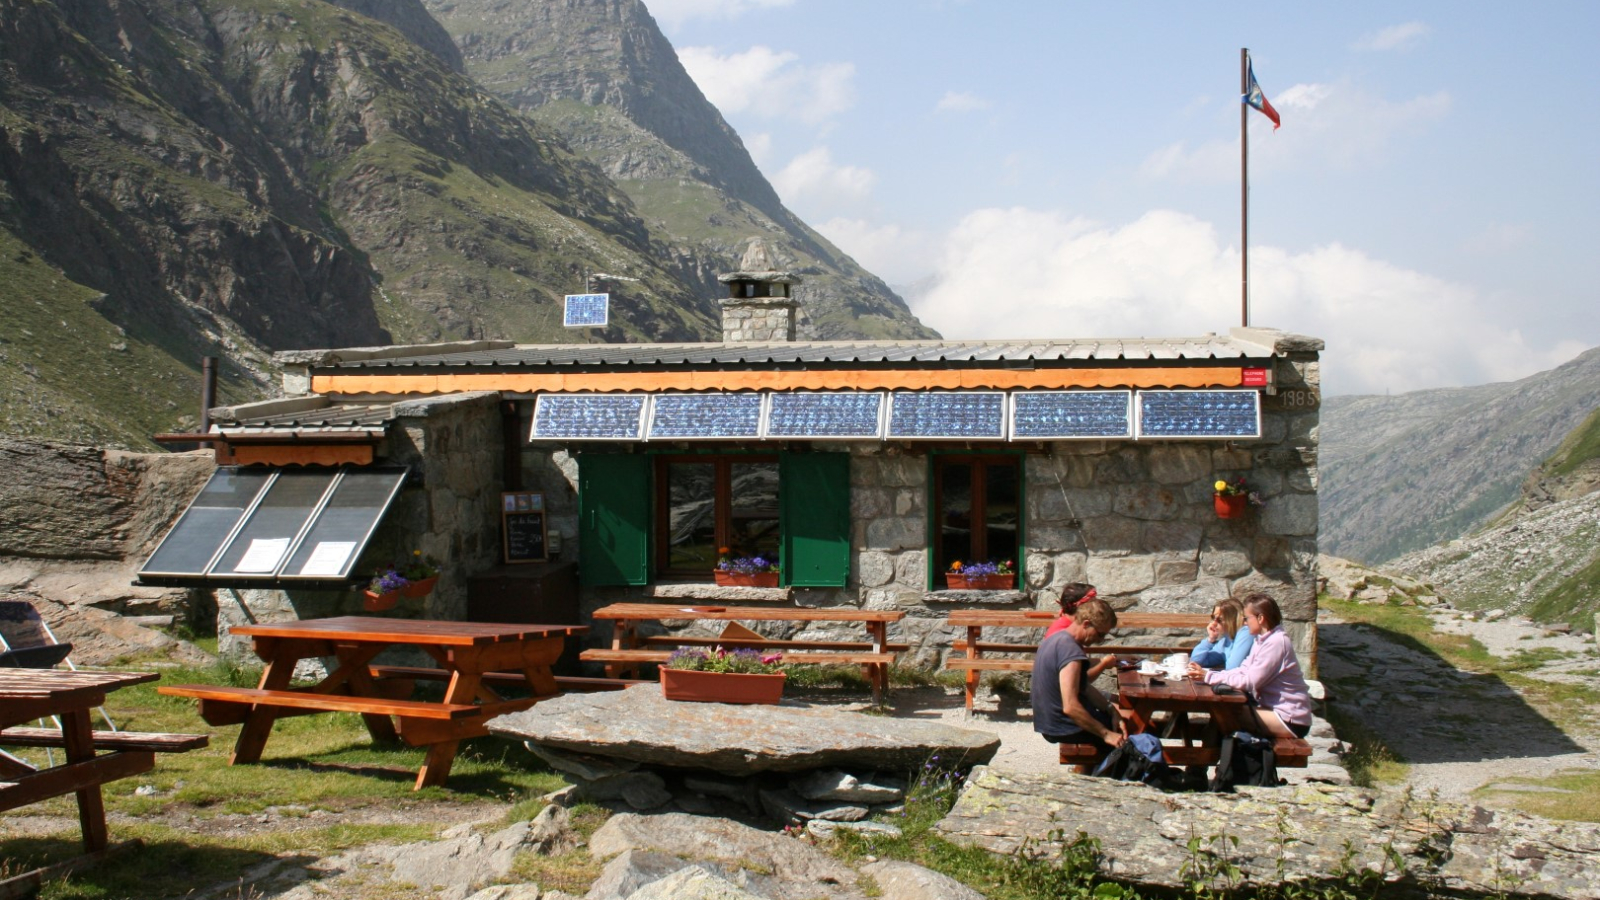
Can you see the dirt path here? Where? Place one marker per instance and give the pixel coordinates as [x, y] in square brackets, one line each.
[1459, 731]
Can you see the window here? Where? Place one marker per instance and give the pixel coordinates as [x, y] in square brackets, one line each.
[704, 503]
[977, 504]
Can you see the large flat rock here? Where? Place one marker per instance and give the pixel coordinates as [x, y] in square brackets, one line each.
[639, 724]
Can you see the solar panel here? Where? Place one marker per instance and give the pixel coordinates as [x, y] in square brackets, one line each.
[1200, 414]
[933, 415]
[1071, 414]
[588, 417]
[586, 311]
[705, 416]
[262, 525]
[836, 414]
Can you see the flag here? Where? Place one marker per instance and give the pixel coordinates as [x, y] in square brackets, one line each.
[1258, 100]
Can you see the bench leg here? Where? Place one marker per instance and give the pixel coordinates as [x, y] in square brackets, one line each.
[436, 765]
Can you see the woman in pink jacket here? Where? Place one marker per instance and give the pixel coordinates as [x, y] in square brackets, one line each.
[1270, 674]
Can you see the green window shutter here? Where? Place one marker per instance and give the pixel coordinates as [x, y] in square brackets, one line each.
[613, 518]
[815, 509]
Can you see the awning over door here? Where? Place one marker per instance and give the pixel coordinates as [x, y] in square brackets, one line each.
[262, 527]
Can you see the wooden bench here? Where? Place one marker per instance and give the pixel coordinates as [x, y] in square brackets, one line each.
[823, 658]
[567, 683]
[225, 705]
[1288, 751]
[153, 741]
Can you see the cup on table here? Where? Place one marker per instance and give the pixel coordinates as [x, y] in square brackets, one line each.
[1177, 665]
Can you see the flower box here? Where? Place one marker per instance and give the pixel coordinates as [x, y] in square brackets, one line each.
[745, 579]
[376, 602]
[958, 582]
[420, 588]
[1230, 506]
[721, 687]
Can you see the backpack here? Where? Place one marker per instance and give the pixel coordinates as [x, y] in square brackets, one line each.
[1245, 759]
[1139, 758]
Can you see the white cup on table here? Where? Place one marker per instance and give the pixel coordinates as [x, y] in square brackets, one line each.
[1177, 665]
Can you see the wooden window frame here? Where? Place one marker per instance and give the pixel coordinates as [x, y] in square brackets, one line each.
[722, 504]
[978, 544]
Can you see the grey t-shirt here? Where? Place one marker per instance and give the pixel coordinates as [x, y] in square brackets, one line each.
[1057, 652]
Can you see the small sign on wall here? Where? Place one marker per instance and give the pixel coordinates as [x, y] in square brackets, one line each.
[522, 527]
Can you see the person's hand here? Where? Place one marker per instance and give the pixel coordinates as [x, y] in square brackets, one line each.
[1213, 631]
[1116, 738]
[1196, 672]
[1107, 661]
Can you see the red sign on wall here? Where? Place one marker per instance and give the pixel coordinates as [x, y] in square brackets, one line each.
[1253, 377]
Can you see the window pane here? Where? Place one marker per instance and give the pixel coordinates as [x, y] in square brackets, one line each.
[1000, 510]
[691, 516]
[955, 513]
[753, 508]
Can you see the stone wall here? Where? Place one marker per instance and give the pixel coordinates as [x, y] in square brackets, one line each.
[758, 319]
[450, 510]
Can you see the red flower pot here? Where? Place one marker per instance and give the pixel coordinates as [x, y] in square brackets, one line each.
[376, 602]
[420, 588]
[745, 579]
[1230, 506]
[721, 687]
[956, 581]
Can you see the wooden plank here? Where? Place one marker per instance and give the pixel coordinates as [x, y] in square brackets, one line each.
[1004, 618]
[761, 643]
[507, 679]
[156, 742]
[659, 656]
[689, 611]
[75, 776]
[421, 632]
[323, 702]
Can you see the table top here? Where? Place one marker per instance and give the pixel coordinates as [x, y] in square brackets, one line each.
[1133, 686]
[27, 692]
[748, 613]
[1041, 618]
[430, 632]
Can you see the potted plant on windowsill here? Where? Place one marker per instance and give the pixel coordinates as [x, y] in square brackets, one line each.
[1231, 499]
[744, 571]
[723, 676]
[421, 573]
[383, 591]
[981, 576]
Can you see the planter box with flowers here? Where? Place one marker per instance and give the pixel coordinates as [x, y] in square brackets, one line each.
[1233, 498]
[723, 676]
[414, 578]
[744, 571]
[982, 576]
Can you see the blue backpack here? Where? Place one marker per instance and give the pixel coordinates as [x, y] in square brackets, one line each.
[1139, 758]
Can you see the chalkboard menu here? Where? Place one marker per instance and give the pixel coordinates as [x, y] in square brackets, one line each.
[522, 527]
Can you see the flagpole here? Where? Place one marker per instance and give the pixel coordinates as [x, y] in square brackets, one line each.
[1244, 189]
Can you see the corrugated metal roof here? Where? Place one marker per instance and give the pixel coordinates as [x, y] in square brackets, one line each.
[324, 420]
[1208, 346]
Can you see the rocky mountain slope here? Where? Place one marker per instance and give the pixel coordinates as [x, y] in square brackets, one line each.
[1402, 472]
[601, 74]
[188, 177]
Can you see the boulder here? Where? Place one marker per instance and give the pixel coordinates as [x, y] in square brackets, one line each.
[638, 724]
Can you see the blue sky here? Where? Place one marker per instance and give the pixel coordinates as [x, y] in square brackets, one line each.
[1041, 167]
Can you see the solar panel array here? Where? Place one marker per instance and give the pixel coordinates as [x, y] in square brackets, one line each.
[586, 311]
[1039, 415]
[899, 415]
[1199, 414]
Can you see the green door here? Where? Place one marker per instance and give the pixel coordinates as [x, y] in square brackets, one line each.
[614, 519]
[815, 509]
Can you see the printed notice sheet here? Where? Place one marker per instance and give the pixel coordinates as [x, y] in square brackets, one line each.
[263, 555]
[328, 558]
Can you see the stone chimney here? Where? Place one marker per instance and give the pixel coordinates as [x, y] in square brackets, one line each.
[760, 305]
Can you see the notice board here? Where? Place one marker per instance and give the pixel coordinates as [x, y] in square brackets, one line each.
[522, 527]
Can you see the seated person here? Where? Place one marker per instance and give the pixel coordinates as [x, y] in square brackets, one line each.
[1072, 595]
[1067, 709]
[1227, 640]
[1270, 674]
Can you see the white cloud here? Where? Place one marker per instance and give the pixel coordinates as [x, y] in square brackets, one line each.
[1395, 37]
[676, 12]
[765, 82]
[815, 177]
[1324, 125]
[1008, 273]
[889, 251]
[759, 146]
[961, 101]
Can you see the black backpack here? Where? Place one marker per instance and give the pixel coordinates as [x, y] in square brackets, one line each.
[1245, 759]
[1139, 758]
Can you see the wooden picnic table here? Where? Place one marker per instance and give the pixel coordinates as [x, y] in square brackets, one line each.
[28, 695]
[465, 651]
[629, 648]
[973, 662]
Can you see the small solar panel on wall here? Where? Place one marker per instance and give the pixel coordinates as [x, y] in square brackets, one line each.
[1067, 415]
[1199, 414]
[588, 417]
[705, 416]
[839, 415]
[935, 415]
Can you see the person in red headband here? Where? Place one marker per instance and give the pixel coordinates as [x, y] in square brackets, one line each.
[1072, 595]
